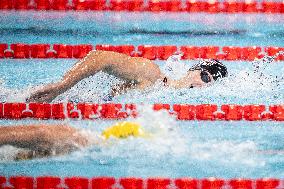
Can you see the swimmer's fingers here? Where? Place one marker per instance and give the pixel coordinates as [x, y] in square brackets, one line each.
[35, 97]
[45, 95]
[40, 98]
[38, 94]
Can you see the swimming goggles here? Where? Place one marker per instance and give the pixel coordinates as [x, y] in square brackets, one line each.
[204, 75]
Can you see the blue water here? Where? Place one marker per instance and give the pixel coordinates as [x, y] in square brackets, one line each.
[196, 149]
[142, 28]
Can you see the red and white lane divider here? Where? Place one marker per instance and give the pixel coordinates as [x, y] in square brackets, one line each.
[52, 182]
[152, 52]
[210, 6]
[210, 112]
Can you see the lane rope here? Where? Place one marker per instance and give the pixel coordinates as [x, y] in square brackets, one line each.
[152, 52]
[88, 111]
[209, 6]
[48, 182]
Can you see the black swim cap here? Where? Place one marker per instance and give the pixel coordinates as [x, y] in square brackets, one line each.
[214, 67]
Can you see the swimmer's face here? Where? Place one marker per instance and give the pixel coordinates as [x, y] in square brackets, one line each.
[198, 78]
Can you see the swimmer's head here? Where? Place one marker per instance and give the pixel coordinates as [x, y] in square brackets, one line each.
[206, 72]
[212, 66]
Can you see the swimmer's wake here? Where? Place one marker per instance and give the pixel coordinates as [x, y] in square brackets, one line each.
[39, 141]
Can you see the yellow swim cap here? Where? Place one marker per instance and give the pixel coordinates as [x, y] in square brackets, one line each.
[123, 130]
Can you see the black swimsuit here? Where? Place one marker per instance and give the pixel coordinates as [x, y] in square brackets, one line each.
[165, 80]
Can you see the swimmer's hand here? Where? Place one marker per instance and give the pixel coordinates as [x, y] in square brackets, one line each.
[63, 139]
[123, 130]
[45, 94]
[44, 140]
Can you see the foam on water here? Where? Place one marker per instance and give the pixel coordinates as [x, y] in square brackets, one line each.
[7, 153]
[164, 139]
[168, 141]
[227, 153]
[91, 89]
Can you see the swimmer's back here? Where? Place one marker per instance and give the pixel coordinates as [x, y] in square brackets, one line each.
[129, 68]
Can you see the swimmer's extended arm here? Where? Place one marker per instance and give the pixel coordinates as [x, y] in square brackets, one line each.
[120, 65]
[42, 140]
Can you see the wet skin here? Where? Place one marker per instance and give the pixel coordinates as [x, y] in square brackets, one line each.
[42, 140]
[136, 72]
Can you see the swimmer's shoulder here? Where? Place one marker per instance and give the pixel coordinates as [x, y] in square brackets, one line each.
[120, 55]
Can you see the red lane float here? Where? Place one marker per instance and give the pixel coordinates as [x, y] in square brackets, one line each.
[47, 182]
[103, 182]
[89, 5]
[131, 183]
[233, 6]
[80, 51]
[164, 5]
[184, 112]
[152, 52]
[232, 112]
[63, 51]
[268, 183]
[158, 183]
[39, 50]
[278, 112]
[3, 47]
[212, 183]
[76, 182]
[209, 112]
[126, 5]
[22, 182]
[52, 182]
[186, 183]
[272, 7]
[210, 6]
[241, 183]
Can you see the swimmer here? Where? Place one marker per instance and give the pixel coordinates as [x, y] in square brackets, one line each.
[38, 141]
[136, 72]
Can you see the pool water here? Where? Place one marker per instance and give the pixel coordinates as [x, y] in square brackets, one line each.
[178, 148]
[142, 28]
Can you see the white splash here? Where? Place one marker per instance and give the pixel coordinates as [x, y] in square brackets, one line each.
[8, 153]
[175, 68]
[91, 89]
[226, 152]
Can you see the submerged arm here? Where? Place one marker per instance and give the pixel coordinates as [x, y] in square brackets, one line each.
[42, 140]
